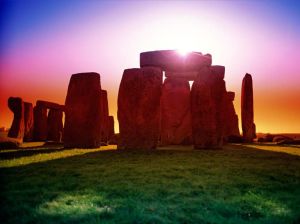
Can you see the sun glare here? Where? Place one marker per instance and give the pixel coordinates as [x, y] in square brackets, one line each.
[183, 52]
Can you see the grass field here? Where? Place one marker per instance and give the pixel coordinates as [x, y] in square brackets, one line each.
[239, 184]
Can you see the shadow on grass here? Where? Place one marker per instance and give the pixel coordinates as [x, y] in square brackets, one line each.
[239, 184]
[48, 147]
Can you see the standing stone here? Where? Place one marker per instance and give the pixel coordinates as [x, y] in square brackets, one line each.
[219, 93]
[28, 121]
[17, 128]
[248, 125]
[40, 123]
[104, 117]
[176, 126]
[55, 125]
[203, 111]
[111, 127]
[231, 121]
[139, 108]
[82, 111]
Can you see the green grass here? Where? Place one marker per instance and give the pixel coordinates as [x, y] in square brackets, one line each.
[239, 184]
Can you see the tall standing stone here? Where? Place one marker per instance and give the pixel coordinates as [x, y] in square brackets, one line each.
[248, 125]
[176, 126]
[55, 125]
[82, 111]
[40, 123]
[231, 121]
[17, 128]
[203, 112]
[104, 116]
[28, 121]
[219, 93]
[139, 108]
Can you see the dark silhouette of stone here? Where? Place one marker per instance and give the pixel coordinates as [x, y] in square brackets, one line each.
[235, 139]
[231, 121]
[82, 111]
[17, 128]
[46, 128]
[219, 93]
[28, 122]
[55, 125]
[248, 125]
[171, 60]
[40, 123]
[139, 108]
[114, 139]
[111, 127]
[203, 110]
[189, 76]
[49, 105]
[176, 126]
[104, 117]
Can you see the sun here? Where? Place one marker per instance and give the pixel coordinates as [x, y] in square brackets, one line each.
[183, 51]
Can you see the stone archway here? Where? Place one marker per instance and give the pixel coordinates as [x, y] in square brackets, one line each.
[201, 112]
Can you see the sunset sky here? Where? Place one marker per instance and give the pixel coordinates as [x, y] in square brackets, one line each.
[42, 43]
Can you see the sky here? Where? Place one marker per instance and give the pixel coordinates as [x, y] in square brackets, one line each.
[42, 43]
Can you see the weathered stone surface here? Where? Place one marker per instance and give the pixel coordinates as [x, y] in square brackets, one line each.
[203, 111]
[176, 126]
[49, 105]
[55, 125]
[248, 125]
[28, 121]
[190, 76]
[104, 117]
[219, 93]
[111, 127]
[17, 128]
[82, 110]
[139, 108]
[171, 60]
[40, 123]
[231, 120]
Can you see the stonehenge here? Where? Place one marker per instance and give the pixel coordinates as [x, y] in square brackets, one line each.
[248, 125]
[83, 111]
[17, 128]
[170, 100]
[139, 108]
[203, 115]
